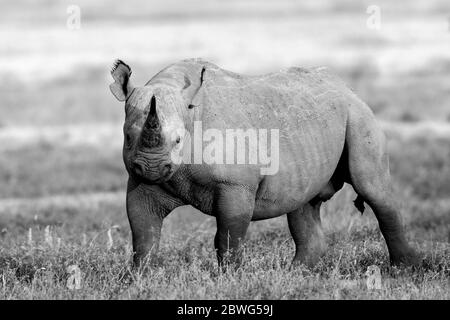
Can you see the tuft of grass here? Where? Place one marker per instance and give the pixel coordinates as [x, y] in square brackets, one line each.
[186, 267]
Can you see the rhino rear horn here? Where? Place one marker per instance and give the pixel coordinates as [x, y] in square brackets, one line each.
[121, 88]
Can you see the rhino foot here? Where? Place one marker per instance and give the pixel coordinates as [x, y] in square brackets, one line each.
[408, 257]
[306, 230]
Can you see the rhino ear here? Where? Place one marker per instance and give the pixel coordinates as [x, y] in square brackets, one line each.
[192, 85]
[121, 87]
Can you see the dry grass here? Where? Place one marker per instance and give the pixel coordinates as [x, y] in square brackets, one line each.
[186, 266]
[67, 205]
[35, 268]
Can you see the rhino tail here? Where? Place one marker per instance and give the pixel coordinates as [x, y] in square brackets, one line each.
[359, 204]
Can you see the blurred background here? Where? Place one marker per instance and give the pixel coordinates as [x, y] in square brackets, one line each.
[61, 129]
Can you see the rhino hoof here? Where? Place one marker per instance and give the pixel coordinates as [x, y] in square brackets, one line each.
[409, 258]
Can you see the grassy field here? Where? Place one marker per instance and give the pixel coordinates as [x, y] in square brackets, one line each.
[35, 267]
[85, 224]
[62, 180]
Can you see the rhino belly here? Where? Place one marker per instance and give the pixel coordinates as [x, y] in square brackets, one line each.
[308, 158]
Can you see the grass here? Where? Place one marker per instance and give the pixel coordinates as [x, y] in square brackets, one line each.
[78, 220]
[63, 204]
[45, 170]
[35, 268]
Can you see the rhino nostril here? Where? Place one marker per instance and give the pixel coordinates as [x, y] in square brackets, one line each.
[166, 169]
[138, 168]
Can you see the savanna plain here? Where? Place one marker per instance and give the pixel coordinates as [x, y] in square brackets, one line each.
[62, 180]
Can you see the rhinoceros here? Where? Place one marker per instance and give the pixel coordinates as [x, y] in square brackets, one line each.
[326, 137]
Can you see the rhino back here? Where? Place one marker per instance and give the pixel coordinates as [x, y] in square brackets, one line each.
[308, 107]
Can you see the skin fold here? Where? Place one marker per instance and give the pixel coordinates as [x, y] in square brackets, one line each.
[327, 137]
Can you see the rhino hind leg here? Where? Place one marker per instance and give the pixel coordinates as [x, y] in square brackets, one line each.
[306, 230]
[369, 173]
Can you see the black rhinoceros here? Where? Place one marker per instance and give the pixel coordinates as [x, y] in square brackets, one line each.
[324, 136]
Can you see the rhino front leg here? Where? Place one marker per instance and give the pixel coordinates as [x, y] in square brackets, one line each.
[233, 208]
[147, 205]
[306, 230]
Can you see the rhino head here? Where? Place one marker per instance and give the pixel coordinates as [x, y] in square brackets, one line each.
[157, 117]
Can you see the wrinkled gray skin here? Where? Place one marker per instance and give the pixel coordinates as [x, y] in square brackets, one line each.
[328, 136]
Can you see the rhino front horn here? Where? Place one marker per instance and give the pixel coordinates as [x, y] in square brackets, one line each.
[152, 121]
[151, 132]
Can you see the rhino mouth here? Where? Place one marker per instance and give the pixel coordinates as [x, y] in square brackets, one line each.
[148, 180]
[160, 174]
